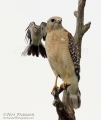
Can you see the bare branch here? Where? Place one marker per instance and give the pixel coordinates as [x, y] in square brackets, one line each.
[86, 27]
[64, 113]
[80, 27]
[65, 109]
[75, 13]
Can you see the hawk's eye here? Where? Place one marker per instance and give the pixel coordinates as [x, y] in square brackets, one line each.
[52, 20]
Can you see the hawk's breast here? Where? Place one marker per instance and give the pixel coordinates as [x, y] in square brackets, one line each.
[58, 53]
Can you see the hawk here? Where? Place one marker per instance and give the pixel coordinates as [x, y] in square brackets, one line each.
[63, 56]
[34, 35]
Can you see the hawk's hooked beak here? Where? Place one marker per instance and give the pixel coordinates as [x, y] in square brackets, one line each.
[59, 20]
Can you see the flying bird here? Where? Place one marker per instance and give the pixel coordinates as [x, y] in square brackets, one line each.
[63, 56]
[43, 26]
[34, 35]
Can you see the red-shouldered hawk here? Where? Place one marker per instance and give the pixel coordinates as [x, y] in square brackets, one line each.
[63, 56]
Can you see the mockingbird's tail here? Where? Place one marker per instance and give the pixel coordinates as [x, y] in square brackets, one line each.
[35, 50]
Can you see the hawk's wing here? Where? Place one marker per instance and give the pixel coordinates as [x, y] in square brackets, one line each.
[74, 52]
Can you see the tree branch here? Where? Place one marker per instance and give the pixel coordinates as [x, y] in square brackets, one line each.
[65, 109]
[76, 13]
[80, 27]
[64, 112]
[86, 27]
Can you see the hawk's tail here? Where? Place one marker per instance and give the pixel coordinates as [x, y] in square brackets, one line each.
[76, 100]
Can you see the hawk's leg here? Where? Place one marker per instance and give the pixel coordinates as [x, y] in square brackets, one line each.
[64, 84]
[55, 86]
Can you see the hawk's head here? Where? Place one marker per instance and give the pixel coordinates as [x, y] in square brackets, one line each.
[54, 23]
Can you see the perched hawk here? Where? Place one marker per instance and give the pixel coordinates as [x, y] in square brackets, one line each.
[34, 35]
[63, 56]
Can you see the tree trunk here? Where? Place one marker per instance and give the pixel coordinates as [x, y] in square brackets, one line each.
[64, 109]
[80, 27]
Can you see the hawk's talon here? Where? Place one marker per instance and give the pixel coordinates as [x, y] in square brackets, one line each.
[64, 86]
[53, 90]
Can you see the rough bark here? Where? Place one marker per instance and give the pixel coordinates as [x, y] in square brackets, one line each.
[64, 109]
[81, 29]
[64, 112]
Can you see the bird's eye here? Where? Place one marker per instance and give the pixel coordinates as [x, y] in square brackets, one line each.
[52, 20]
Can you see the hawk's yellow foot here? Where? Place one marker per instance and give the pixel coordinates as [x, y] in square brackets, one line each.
[53, 90]
[64, 85]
